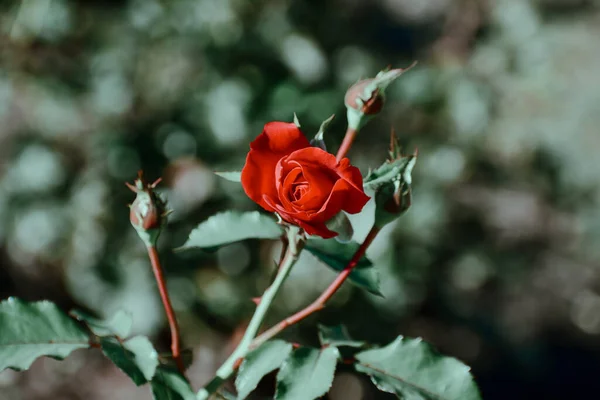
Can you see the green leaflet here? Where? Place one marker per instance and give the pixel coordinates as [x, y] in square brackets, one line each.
[336, 255]
[412, 369]
[306, 374]
[32, 330]
[136, 357]
[258, 363]
[119, 324]
[232, 226]
[168, 384]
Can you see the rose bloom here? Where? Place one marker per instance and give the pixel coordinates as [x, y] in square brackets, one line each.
[305, 185]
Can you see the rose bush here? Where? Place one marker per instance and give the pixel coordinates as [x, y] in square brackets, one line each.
[305, 185]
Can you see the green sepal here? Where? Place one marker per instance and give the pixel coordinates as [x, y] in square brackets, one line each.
[319, 139]
[341, 224]
[232, 176]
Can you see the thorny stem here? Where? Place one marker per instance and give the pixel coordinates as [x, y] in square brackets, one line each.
[164, 295]
[295, 244]
[347, 143]
[320, 302]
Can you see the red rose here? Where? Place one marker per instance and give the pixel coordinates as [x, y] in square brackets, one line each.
[305, 185]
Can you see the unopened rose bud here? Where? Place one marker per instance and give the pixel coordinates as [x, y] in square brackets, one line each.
[365, 98]
[392, 185]
[362, 98]
[148, 211]
[391, 201]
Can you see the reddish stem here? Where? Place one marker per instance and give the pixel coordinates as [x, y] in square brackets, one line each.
[164, 295]
[320, 302]
[346, 143]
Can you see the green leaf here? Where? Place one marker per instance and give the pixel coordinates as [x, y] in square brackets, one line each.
[233, 226]
[337, 336]
[233, 176]
[136, 357]
[258, 363]
[337, 255]
[168, 384]
[119, 324]
[32, 330]
[411, 368]
[306, 374]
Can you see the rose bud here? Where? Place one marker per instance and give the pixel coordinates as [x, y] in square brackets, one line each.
[392, 185]
[148, 211]
[365, 98]
[305, 185]
[392, 199]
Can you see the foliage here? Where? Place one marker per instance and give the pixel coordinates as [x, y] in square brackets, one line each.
[168, 384]
[136, 357]
[118, 325]
[32, 330]
[411, 369]
[306, 374]
[230, 226]
[267, 358]
[336, 255]
[337, 336]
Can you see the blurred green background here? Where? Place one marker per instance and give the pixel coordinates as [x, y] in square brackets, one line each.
[496, 263]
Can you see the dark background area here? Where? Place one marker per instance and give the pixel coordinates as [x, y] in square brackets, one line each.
[496, 263]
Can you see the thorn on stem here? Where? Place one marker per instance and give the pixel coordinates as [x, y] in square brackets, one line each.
[156, 182]
[131, 187]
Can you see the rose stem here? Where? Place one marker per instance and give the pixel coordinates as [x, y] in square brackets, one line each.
[346, 143]
[319, 303]
[295, 244]
[164, 295]
[284, 248]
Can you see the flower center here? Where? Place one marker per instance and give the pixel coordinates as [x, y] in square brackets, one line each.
[299, 190]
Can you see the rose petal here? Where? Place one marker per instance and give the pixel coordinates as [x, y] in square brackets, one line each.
[284, 188]
[317, 229]
[320, 184]
[315, 159]
[319, 180]
[277, 140]
[301, 219]
[350, 173]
